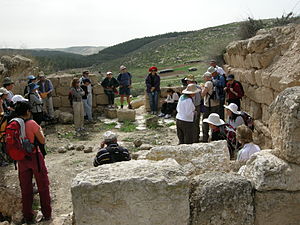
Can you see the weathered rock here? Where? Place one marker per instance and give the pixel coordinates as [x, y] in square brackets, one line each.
[284, 124]
[145, 147]
[126, 115]
[277, 208]
[137, 103]
[101, 99]
[110, 113]
[70, 147]
[268, 172]
[79, 148]
[133, 192]
[137, 143]
[62, 150]
[221, 198]
[139, 154]
[11, 205]
[4, 223]
[151, 121]
[196, 158]
[66, 117]
[88, 150]
[258, 43]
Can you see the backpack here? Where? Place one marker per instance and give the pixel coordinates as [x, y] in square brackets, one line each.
[17, 144]
[218, 92]
[248, 120]
[70, 98]
[230, 136]
[241, 87]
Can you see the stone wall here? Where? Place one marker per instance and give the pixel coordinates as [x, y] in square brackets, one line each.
[266, 65]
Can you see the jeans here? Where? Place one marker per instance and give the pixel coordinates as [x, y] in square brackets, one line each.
[87, 104]
[48, 106]
[153, 100]
[111, 97]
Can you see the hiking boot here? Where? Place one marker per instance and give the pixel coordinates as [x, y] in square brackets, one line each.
[167, 116]
[121, 106]
[129, 106]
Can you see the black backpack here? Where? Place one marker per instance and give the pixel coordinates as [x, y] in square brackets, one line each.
[248, 120]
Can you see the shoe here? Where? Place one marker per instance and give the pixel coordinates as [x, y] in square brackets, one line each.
[161, 115]
[121, 106]
[167, 116]
[45, 219]
[129, 107]
[28, 221]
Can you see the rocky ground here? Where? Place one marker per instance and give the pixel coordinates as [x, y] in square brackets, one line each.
[67, 154]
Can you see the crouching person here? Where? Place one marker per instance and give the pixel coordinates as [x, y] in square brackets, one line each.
[110, 151]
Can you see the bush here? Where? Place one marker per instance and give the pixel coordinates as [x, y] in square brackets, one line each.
[286, 19]
[248, 28]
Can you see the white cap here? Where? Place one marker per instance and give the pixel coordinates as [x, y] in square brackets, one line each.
[109, 135]
[122, 67]
[18, 98]
[214, 119]
[233, 108]
[109, 72]
[3, 91]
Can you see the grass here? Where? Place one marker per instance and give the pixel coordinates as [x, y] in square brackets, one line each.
[74, 162]
[128, 126]
[68, 135]
[108, 126]
[128, 139]
[170, 124]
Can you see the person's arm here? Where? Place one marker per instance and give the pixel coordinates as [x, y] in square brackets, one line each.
[50, 87]
[40, 136]
[148, 82]
[157, 84]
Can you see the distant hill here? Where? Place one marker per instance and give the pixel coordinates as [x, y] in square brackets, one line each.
[80, 50]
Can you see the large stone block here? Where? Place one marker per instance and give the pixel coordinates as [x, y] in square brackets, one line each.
[284, 124]
[221, 198]
[101, 99]
[250, 77]
[277, 208]
[258, 43]
[98, 89]
[267, 57]
[62, 90]
[265, 113]
[268, 172]
[54, 80]
[110, 113]
[66, 117]
[10, 203]
[65, 101]
[137, 103]
[132, 193]
[65, 80]
[126, 115]
[56, 102]
[196, 158]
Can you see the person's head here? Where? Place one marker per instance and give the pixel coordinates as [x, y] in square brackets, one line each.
[85, 73]
[213, 71]
[207, 76]
[42, 76]
[230, 78]
[8, 83]
[3, 93]
[109, 137]
[190, 79]
[153, 70]
[86, 81]
[75, 82]
[170, 91]
[244, 134]
[31, 79]
[214, 121]
[23, 109]
[33, 87]
[109, 74]
[232, 109]
[213, 63]
[123, 69]
[191, 90]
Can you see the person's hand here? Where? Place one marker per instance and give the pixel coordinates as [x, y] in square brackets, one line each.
[231, 89]
[225, 88]
[102, 144]
[153, 88]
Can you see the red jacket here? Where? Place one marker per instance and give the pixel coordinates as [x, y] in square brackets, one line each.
[236, 88]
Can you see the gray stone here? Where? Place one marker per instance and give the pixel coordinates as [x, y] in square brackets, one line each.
[221, 198]
[79, 148]
[10, 203]
[66, 118]
[62, 150]
[110, 113]
[126, 115]
[145, 147]
[88, 150]
[151, 122]
[137, 143]
[132, 193]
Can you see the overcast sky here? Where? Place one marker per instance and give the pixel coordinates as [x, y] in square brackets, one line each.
[64, 23]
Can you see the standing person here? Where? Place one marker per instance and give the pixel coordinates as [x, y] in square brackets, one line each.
[110, 85]
[185, 116]
[6, 105]
[85, 74]
[244, 136]
[33, 164]
[234, 91]
[234, 116]
[45, 90]
[219, 85]
[31, 79]
[9, 85]
[88, 110]
[124, 80]
[219, 69]
[190, 79]
[170, 104]
[210, 105]
[36, 103]
[75, 95]
[153, 89]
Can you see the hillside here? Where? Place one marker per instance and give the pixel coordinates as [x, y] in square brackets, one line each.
[80, 50]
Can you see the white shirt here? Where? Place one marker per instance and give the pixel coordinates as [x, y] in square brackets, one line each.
[220, 70]
[238, 122]
[173, 98]
[185, 109]
[248, 149]
[209, 85]
[10, 95]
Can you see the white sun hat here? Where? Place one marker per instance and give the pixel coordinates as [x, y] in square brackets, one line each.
[18, 98]
[191, 89]
[122, 67]
[233, 108]
[214, 119]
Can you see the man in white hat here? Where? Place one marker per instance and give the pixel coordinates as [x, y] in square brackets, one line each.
[124, 80]
[110, 151]
[186, 115]
[45, 90]
[219, 69]
[210, 105]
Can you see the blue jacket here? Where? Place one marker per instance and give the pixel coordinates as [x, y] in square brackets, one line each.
[124, 79]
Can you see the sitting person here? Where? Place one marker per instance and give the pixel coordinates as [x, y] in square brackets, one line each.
[110, 85]
[234, 116]
[110, 151]
[170, 104]
[222, 131]
[244, 136]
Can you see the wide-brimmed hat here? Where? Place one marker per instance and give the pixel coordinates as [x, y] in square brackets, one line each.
[190, 77]
[109, 136]
[18, 98]
[7, 81]
[3, 91]
[214, 119]
[191, 89]
[41, 74]
[122, 67]
[233, 108]
[211, 69]
[33, 86]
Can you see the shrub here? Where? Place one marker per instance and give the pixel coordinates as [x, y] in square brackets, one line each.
[248, 28]
[286, 19]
